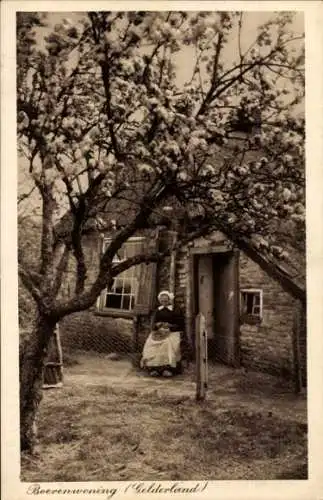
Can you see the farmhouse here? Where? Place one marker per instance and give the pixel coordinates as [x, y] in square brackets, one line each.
[249, 316]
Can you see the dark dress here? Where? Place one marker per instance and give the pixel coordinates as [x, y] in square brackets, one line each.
[174, 318]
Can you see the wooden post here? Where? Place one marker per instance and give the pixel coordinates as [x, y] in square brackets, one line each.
[298, 382]
[201, 357]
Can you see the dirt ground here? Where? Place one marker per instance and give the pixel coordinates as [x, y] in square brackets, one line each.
[111, 422]
[228, 386]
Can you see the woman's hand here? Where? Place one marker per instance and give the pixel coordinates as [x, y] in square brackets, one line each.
[162, 324]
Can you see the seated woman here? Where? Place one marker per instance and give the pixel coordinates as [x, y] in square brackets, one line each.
[162, 353]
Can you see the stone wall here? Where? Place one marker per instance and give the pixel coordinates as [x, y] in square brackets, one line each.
[181, 278]
[267, 346]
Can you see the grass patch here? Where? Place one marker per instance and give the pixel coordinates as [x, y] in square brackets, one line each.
[105, 433]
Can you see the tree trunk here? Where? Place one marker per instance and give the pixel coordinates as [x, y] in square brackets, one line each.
[31, 360]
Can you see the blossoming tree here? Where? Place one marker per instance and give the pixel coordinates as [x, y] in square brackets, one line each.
[105, 116]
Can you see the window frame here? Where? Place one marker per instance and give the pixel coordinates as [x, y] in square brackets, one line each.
[101, 309]
[251, 318]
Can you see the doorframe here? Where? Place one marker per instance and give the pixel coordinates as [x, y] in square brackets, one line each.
[194, 255]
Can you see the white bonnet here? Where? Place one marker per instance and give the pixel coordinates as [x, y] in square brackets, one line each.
[166, 292]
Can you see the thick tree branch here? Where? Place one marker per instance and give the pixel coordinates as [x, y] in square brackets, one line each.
[157, 193]
[105, 70]
[214, 77]
[267, 263]
[80, 215]
[60, 270]
[47, 240]
[86, 299]
[78, 253]
[182, 239]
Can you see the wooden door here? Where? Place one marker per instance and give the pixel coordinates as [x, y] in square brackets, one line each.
[206, 291]
[225, 344]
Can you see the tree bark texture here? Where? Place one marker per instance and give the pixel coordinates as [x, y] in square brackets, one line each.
[31, 360]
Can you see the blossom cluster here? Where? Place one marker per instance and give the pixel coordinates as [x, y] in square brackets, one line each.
[103, 101]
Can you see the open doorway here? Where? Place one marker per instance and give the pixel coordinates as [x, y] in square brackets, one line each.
[217, 298]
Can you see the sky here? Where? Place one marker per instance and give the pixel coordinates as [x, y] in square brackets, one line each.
[251, 21]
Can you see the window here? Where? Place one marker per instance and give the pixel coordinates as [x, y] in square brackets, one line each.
[132, 291]
[123, 294]
[251, 305]
[123, 291]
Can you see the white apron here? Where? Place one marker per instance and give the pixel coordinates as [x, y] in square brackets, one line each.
[161, 352]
